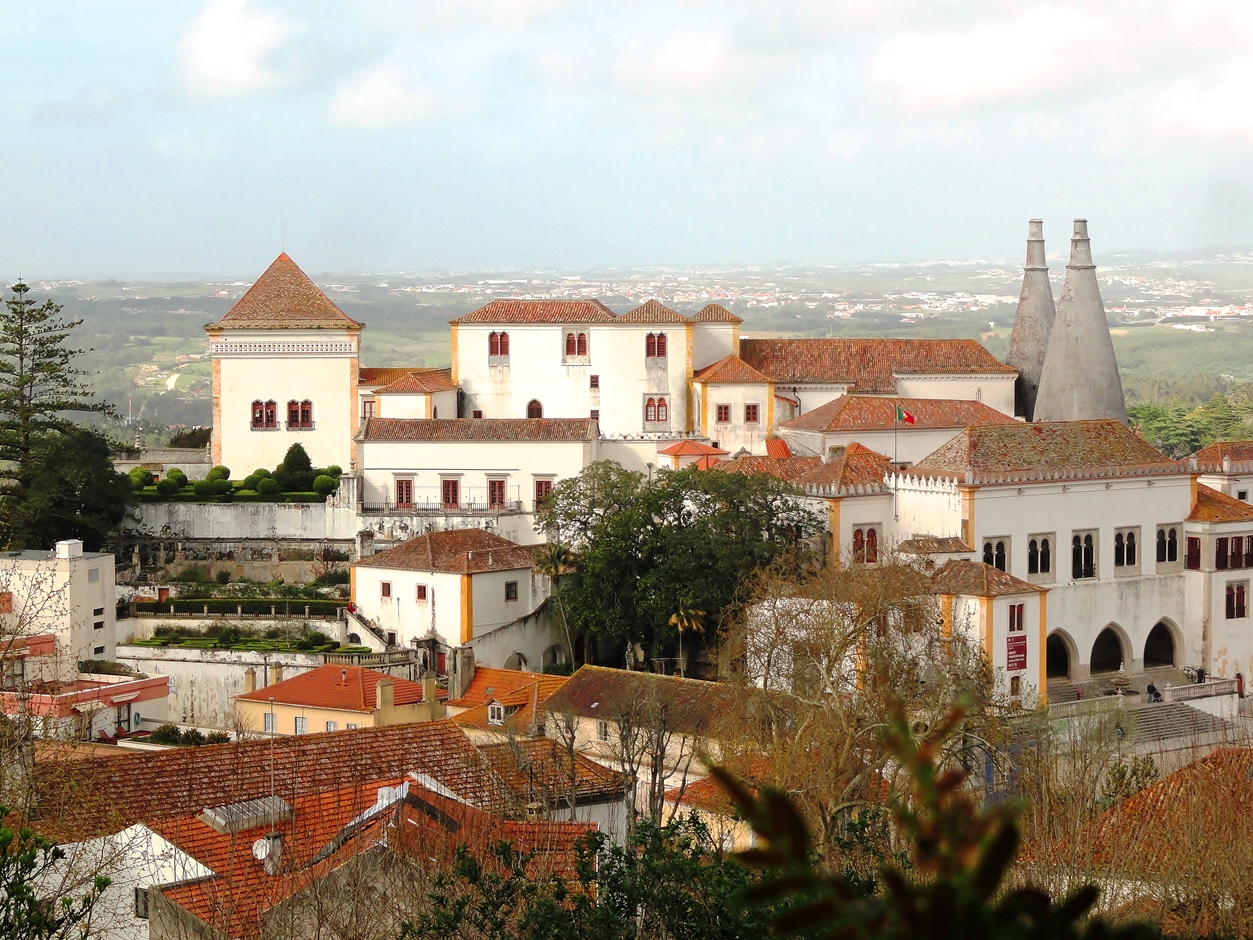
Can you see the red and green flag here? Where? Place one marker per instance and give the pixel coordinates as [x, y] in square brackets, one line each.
[903, 415]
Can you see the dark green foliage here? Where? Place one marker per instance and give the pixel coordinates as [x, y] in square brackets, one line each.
[559, 669]
[167, 487]
[250, 482]
[165, 734]
[229, 636]
[191, 437]
[646, 549]
[295, 473]
[217, 737]
[191, 738]
[141, 477]
[296, 460]
[177, 475]
[27, 870]
[1178, 430]
[203, 487]
[334, 577]
[1123, 781]
[221, 472]
[223, 577]
[325, 485]
[269, 487]
[334, 470]
[261, 473]
[221, 485]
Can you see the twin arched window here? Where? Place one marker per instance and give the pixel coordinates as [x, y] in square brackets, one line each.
[865, 546]
[576, 344]
[655, 346]
[498, 344]
[264, 415]
[1039, 556]
[1125, 550]
[300, 414]
[656, 409]
[994, 554]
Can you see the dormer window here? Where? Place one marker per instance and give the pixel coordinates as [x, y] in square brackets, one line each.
[495, 714]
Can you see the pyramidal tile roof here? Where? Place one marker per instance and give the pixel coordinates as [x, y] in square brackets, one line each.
[284, 298]
[490, 682]
[716, 313]
[653, 311]
[456, 551]
[382, 375]
[976, 579]
[341, 688]
[878, 413]
[1211, 505]
[1211, 458]
[419, 381]
[730, 370]
[777, 447]
[790, 469]
[539, 311]
[858, 468]
[691, 448]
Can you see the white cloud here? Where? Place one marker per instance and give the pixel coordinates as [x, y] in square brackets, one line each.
[383, 97]
[1213, 105]
[686, 62]
[226, 50]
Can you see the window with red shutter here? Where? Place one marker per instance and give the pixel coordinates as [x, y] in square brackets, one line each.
[404, 494]
[582, 345]
[450, 490]
[496, 494]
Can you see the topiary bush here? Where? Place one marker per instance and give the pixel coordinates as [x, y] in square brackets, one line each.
[203, 487]
[333, 471]
[269, 487]
[223, 577]
[261, 473]
[221, 485]
[167, 487]
[325, 485]
[221, 471]
[250, 482]
[141, 477]
[191, 738]
[177, 475]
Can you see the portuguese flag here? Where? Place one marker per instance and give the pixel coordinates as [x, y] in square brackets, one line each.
[903, 415]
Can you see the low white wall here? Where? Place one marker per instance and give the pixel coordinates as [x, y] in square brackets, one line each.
[237, 521]
[529, 636]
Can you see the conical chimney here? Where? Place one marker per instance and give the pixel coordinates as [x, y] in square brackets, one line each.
[1080, 376]
[1032, 323]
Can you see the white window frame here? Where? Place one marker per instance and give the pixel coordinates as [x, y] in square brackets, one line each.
[270, 723]
[332, 726]
[300, 725]
[602, 729]
[495, 713]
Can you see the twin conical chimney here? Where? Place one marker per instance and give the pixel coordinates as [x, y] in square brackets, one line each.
[1032, 323]
[1080, 380]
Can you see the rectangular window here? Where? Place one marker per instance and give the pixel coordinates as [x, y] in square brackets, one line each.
[141, 903]
[421, 592]
[1237, 600]
[367, 408]
[271, 723]
[594, 381]
[404, 494]
[293, 414]
[93, 576]
[352, 726]
[450, 490]
[1193, 560]
[1220, 554]
[495, 714]
[750, 414]
[723, 414]
[595, 414]
[543, 489]
[98, 625]
[98, 651]
[511, 590]
[496, 494]
[1242, 495]
[98, 612]
[385, 589]
[332, 726]
[271, 414]
[602, 730]
[1017, 617]
[477, 413]
[301, 724]
[1236, 559]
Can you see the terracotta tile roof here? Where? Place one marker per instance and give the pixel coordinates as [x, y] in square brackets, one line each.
[95, 796]
[540, 311]
[934, 545]
[785, 468]
[878, 413]
[975, 579]
[343, 688]
[489, 682]
[691, 448]
[866, 364]
[382, 375]
[857, 469]
[652, 311]
[692, 706]
[1211, 458]
[419, 381]
[284, 298]
[519, 702]
[777, 447]
[705, 795]
[539, 430]
[537, 770]
[1058, 450]
[1212, 506]
[455, 551]
[730, 370]
[715, 313]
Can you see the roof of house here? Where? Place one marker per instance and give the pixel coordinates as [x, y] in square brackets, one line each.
[538, 770]
[730, 370]
[854, 468]
[454, 551]
[934, 545]
[785, 468]
[83, 798]
[519, 696]
[653, 311]
[706, 795]
[1211, 458]
[341, 688]
[976, 579]
[1056, 450]
[716, 313]
[690, 448]
[878, 413]
[419, 381]
[1210, 505]
[868, 365]
[531, 430]
[777, 447]
[382, 375]
[284, 297]
[540, 311]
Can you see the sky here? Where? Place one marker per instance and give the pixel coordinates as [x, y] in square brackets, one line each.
[151, 138]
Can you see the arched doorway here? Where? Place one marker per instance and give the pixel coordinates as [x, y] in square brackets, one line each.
[516, 662]
[1159, 648]
[1107, 652]
[1056, 658]
[534, 409]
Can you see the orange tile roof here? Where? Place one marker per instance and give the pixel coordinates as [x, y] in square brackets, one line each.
[785, 468]
[777, 447]
[652, 311]
[489, 682]
[342, 688]
[693, 706]
[419, 381]
[535, 430]
[382, 375]
[868, 365]
[519, 704]
[730, 370]
[540, 311]
[856, 468]
[284, 298]
[1057, 450]
[976, 579]
[538, 770]
[1213, 506]
[878, 413]
[1211, 458]
[715, 313]
[691, 448]
[455, 551]
[934, 545]
[706, 795]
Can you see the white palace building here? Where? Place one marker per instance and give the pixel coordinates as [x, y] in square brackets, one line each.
[1074, 547]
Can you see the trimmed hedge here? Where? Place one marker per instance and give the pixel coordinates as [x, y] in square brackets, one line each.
[229, 605]
[150, 495]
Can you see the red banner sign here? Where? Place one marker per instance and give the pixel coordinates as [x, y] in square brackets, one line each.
[1016, 653]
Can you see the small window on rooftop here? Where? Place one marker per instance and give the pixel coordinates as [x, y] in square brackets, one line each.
[495, 714]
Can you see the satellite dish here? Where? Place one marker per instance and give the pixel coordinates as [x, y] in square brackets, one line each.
[260, 849]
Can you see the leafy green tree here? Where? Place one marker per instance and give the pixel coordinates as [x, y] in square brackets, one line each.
[295, 473]
[553, 561]
[27, 862]
[686, 620]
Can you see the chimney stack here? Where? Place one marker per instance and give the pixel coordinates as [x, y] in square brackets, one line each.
[384, 694]
[250, 680]
[1033, 322]
[428, 687]
[1080, 378]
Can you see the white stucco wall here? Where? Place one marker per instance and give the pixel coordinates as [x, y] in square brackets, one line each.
[62, 595]
[907, 446]
[713, 341]
[737, 434]
[995, 390]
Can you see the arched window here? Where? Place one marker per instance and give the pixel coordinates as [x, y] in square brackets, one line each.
[1089, 557]
[271, 414]
[1046, 557]
[434, 412]
[306, 413]
[650, 410]
[872, 546]
[1131, 548]
[661, 345]
[1033, 557]
[999, 563]
[570, 344]
[493, 344]
[1076, 557]
[650, 346]
[988, 553]
[1120, 551]
[293, 414]
[1161, 545]
[1172, 546]
[582, 345]
[662, 411]
[504, 344]
[258, 415]
[534, 409]
[859, 546]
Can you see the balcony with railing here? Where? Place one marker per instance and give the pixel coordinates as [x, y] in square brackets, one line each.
[431, 500]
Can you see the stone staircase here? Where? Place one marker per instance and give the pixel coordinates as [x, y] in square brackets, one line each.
[1176, 721]
[1064, 690]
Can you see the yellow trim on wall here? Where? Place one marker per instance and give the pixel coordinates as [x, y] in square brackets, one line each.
[986, 620]
[769, 407]
[1044, 635]
[735, 338]
[946, 615]
[704, 411]
[352, 585]
[429, 404]
[215, 436]
[453, 353]
[968, 514]
[467, 608]
[688, 416]
[354, 406]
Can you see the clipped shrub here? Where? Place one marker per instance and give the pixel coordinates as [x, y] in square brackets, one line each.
[269, 487]
[178, 476]
[203, 487]
[221, 471]
[217, 737]
[229, 636]
[191, 738]
[334, 470]
[223, 577]
[141, 477]
[167, 487]
[325, 485]
[261, 473]
[296, 460]
[165, 734]
[306, 645]
[250, 482]
[221, 485]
